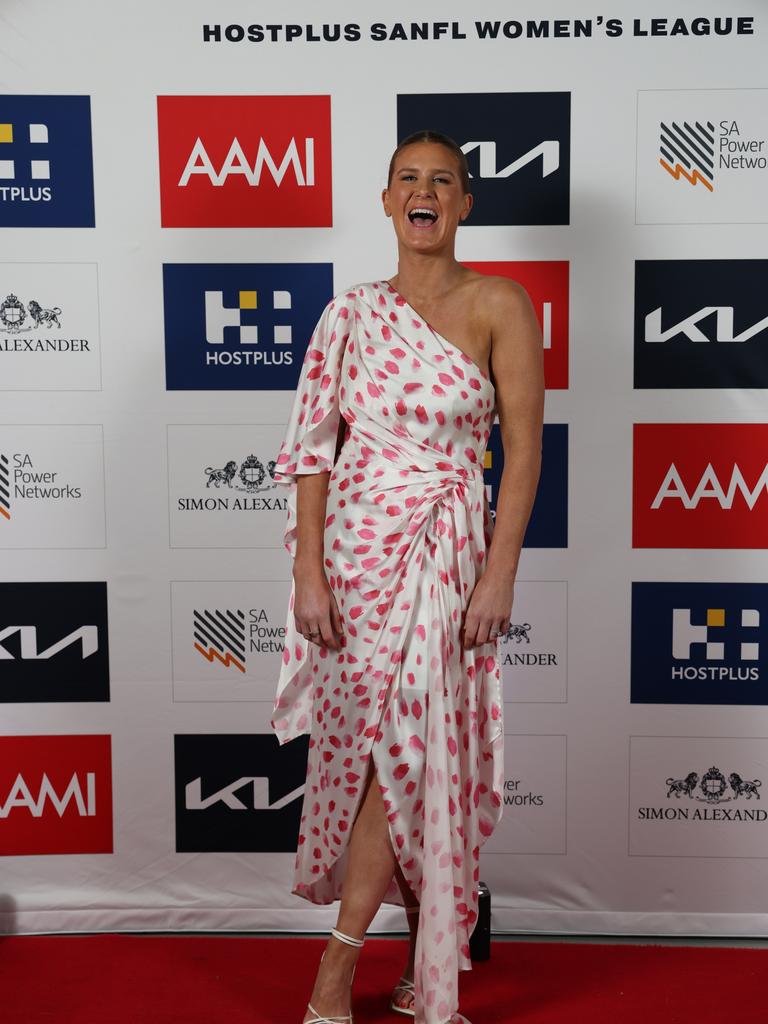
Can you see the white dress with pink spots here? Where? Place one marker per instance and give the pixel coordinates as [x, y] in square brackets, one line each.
[406, 534]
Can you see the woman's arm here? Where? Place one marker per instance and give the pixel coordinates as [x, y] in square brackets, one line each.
[517, 365]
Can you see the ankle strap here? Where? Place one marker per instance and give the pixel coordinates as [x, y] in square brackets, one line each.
[350, 941]
[413, 910]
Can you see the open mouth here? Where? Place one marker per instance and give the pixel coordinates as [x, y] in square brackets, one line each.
[422, 216]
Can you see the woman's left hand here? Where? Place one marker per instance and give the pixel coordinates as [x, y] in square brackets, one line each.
[489, 610]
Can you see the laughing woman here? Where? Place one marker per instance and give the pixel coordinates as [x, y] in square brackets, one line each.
[402, 584]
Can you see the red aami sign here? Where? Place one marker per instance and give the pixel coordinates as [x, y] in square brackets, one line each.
[245, 161]
[546, 281]
[700, 485]
[55, 794]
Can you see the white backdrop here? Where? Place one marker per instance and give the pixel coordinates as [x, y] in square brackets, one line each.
[581, 848]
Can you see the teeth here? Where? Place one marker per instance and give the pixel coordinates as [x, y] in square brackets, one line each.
[423, 210]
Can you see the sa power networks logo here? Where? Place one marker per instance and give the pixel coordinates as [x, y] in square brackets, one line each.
[237, 793]
[245, 161]
[702, 156]
[517, 146]
[700, 485]
[227, 639]
[699, 643]
[535, 797]
[55, 795]
[548, 525]
[697, 796]
[701, 324]
[49, 327]
[546, 282]
[240, 326]
[54, 644]
[52, 486]
[222, 487]
[46, 162]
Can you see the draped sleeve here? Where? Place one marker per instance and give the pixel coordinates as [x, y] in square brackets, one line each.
[309, 445]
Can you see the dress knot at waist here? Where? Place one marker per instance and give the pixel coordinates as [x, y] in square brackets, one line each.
[408, 462]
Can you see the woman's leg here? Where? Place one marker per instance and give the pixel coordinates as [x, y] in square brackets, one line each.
[370, 866]
[405, 999]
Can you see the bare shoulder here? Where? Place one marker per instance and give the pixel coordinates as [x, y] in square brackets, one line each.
[505, 301]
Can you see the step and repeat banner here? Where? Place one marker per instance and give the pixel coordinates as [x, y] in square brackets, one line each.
[182, 189]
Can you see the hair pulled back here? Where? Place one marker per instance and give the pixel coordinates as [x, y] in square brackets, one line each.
[426, 135]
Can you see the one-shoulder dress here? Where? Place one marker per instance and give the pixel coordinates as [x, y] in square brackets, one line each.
[407, 530]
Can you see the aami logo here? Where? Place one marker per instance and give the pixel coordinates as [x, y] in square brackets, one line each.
[240, 326]
[517, 147]
[55, 794]
[548, 525]
[700, 485]
[54, 643]
[699, 643]
[546, 281]
[46, 163]
[701, 324]
[238, 793]
[245, 161]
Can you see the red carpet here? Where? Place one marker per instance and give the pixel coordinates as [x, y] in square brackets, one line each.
[127, 979]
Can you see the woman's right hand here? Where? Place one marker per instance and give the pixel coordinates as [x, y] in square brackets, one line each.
[315, 611]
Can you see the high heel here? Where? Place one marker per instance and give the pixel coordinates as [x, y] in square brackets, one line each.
[405, 987]
[337, 1018]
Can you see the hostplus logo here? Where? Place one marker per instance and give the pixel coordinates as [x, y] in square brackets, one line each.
[46, 164]
[242, 326]
[35, 170]
[218, 316]
[699, 643]
[685, 634]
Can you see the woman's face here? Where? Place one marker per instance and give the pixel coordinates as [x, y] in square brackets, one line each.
[425, 198]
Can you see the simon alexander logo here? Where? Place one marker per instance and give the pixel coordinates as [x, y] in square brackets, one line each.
[240, 326]
[245, 161]
[700, 485]
[701, 324]
[46, 162]
[55, 795]
[699, 643]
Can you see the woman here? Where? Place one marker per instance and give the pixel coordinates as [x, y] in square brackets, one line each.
[398, 594]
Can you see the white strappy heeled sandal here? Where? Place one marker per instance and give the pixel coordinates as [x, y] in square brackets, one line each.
[404, 987]
[336, 1019]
